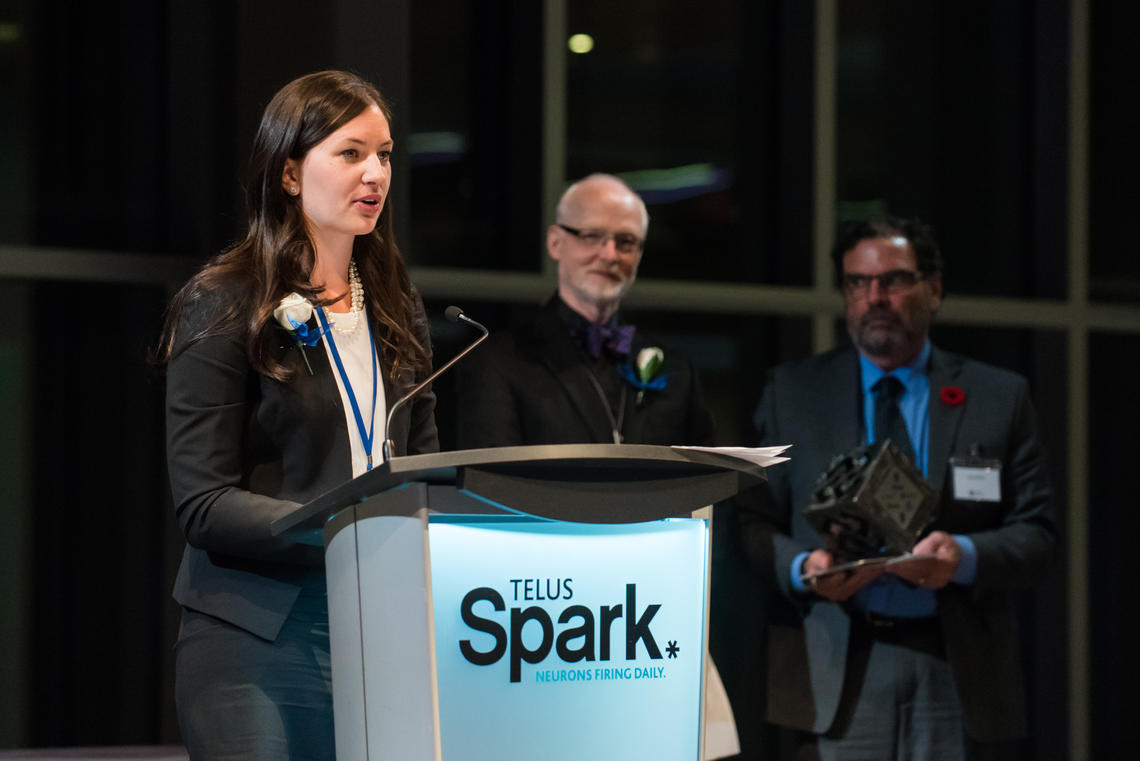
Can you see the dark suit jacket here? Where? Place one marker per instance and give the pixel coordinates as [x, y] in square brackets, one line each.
[816, 406]
[244, 449]
[532, 387]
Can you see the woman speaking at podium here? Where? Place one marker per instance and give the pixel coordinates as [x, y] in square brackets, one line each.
[280, 355]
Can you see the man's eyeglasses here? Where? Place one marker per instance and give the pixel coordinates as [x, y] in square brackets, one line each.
[626, 243]
[895, 281]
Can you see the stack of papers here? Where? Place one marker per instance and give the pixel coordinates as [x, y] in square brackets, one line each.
[762, 456]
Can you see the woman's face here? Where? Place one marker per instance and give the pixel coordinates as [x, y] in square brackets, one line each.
[343, 180]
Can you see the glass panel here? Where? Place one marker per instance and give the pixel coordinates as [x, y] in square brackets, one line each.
[1114, 419]
[99, 528]
[1113, 148]
[15, 159]
[955, 112]
[128, 124]
[706, 115]
[475, 145]
[17, 580]
[89, 125]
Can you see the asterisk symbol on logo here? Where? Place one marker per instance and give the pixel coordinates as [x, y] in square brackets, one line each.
[672, 649]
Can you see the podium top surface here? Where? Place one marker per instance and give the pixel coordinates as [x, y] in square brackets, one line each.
[607, 483]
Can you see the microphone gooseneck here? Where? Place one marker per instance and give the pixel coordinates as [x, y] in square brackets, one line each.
[456, 315]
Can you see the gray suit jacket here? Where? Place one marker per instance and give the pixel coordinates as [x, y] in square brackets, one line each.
[244, 450]
[816, 406]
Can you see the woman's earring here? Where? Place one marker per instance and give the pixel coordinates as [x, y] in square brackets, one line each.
[292, 190]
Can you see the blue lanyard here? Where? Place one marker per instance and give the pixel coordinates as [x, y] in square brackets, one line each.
[365, 435]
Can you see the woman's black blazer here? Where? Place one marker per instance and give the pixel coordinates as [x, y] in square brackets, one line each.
[244, 449]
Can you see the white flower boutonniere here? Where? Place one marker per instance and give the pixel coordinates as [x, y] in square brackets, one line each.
[293, 314]
[648, 361]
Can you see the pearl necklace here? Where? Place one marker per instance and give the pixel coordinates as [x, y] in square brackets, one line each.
[346, 323]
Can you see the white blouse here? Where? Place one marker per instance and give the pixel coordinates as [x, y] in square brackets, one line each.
[356, 354]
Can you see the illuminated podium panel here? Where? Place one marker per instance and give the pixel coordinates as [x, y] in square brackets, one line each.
[569, 641]
[519, 603]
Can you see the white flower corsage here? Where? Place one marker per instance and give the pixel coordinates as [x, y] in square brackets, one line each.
[293, 314]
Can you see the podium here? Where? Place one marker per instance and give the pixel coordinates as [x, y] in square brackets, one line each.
[521, 602]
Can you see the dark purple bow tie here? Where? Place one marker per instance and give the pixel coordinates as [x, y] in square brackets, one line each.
[615, 339]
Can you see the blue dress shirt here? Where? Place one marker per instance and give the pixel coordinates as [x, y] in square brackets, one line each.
[890, 595]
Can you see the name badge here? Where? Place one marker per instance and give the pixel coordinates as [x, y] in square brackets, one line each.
[976, 479]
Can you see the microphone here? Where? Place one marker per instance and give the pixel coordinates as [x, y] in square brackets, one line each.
[454, 314]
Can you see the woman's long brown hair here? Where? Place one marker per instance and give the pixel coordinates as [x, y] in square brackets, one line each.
[276, 256]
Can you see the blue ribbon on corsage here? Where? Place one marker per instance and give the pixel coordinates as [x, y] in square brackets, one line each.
[306, 336]
[303, 334]
[288, 311]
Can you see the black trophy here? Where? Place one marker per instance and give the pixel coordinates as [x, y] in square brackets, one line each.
[871, 502]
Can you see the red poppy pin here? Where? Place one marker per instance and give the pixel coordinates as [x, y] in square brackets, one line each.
[952, 395]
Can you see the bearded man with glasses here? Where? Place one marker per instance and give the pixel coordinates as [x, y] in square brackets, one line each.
[919, 660]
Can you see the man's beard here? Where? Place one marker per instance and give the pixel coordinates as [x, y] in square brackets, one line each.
[595, 292]
[881, 340]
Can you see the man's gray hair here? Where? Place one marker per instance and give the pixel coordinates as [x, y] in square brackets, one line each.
[560, 210]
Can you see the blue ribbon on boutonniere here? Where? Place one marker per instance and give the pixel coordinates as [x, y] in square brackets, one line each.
[645, 378]
[653, 384]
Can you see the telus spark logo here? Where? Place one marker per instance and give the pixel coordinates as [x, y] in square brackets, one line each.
[579, 622]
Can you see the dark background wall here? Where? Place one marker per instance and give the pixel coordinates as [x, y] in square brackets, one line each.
[123, 131]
